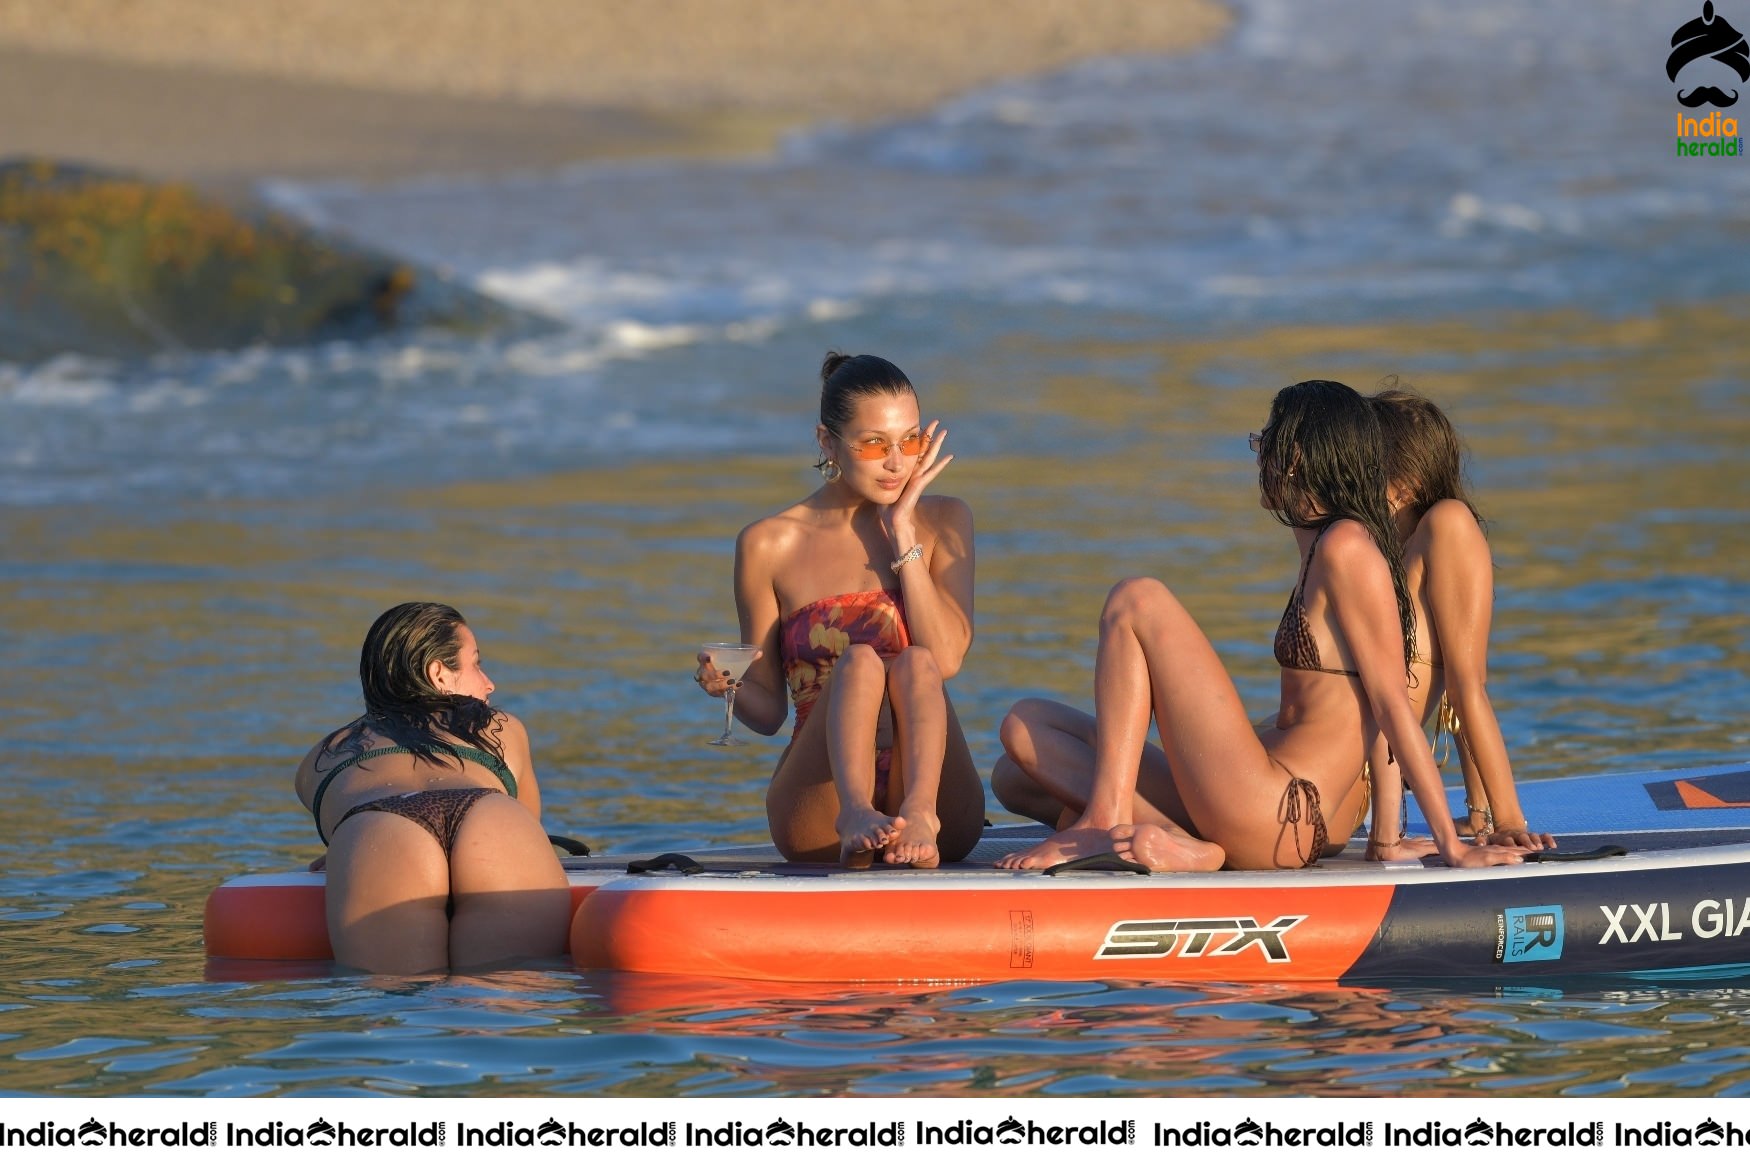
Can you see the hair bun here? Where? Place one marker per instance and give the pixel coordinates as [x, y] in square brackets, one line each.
[846, 379]
[833, 362]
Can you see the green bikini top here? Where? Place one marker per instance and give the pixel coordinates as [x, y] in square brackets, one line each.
[462, 752]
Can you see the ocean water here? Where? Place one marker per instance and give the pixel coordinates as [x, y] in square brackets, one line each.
[1097, 279]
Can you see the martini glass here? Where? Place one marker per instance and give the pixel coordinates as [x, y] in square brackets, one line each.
[733, 659]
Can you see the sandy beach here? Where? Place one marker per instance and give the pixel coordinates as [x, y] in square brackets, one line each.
[376, 89]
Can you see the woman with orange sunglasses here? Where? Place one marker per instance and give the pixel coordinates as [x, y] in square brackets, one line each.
[859, 598]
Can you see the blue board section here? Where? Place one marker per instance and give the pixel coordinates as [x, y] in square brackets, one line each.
[1716, 798]
[1587, 919]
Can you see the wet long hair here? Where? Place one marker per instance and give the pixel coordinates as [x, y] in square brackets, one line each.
[1322, 458]
[845, 380]
[401, 702]
[1422, 452]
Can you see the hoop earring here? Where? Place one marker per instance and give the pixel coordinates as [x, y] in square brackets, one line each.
[829, 470]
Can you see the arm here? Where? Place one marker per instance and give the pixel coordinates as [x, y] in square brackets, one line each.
[1364, 607]
[304, 784]
[762, 700]
[937, 589]
[1478, 816]
[513, 737]
[1460, 606]
[1386, 841]
[1385, 832]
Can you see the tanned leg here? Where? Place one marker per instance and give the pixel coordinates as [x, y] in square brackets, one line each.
[860, 686]
[1154, 660]
[803, 802]
[1048, 765]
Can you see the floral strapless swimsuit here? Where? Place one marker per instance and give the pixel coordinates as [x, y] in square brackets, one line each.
[813, 637]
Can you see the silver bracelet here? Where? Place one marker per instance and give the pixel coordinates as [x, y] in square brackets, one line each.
[911, 556]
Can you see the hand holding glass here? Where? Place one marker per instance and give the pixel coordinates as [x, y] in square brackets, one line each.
[730, 661]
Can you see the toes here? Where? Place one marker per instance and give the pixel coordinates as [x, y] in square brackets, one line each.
[906, 853]
[865, 834]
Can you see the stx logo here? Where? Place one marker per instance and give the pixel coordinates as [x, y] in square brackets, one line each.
[1132, 939]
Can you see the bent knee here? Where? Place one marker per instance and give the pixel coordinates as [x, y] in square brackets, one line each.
[859, 661]
[915, 667]
[1024, 718]
[1016, 731]
[1033, 715]
[1130, 598]
[1009, 781]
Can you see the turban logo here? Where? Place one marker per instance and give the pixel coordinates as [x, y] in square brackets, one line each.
[1713, 36]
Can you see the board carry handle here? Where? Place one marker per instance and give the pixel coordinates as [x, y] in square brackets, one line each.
[1107, 861]
[1608, 851]
[570, 846]
[681, 862]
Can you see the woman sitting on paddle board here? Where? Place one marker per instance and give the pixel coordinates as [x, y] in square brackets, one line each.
[1219, 792]
[860, 600]
[429, 807]
[1451, 581]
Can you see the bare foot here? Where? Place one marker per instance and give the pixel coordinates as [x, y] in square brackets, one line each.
[914, 841]
[1403, 850]
[862, 831]
[1076, 842]
[1164, 848]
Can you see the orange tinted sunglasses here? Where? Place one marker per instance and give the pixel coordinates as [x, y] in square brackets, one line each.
[874, 449]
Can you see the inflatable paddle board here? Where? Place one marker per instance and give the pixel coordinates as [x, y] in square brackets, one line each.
[1654, 879]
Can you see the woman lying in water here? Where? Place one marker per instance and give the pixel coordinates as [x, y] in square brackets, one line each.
[860, 599]
[1451, 583]
[1219, 792]
[430, 811]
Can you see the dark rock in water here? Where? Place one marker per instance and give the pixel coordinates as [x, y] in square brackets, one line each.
[108, 265]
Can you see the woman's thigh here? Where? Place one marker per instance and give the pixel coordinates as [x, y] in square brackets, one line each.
[1060, 747]
[802, 804]
[802, 801]
[1227, 783]
[959, 794]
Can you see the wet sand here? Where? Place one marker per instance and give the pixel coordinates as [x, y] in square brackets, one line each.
[388, 88]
